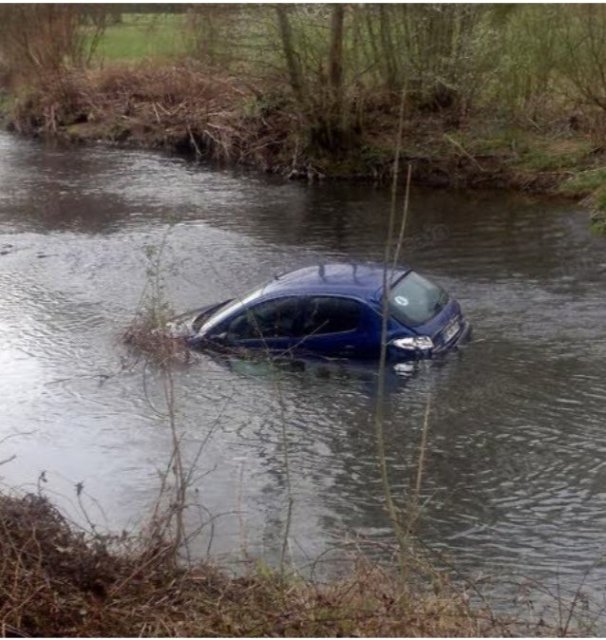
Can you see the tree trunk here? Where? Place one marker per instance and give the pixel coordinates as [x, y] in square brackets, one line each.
[331, 130]
[335, 61]
[292, 62]
[388, 48]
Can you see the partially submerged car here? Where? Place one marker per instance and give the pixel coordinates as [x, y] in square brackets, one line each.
[332, 310]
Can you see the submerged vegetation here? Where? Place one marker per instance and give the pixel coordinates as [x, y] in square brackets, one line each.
[496, 95]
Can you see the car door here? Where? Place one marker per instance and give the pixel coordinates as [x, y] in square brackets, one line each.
[274, 325]
[335, 326]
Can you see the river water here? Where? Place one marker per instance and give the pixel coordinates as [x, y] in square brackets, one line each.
[515, 471]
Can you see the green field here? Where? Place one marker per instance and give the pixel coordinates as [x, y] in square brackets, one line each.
[139, 36]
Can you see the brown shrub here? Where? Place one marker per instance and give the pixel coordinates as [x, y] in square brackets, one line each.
[154, 343]
[180, 107]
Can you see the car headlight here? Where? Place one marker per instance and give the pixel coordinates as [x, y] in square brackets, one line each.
[420, 343]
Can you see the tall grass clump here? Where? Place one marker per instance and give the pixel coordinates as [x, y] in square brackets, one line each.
[148, 332]
[149, 338]
[404, 513]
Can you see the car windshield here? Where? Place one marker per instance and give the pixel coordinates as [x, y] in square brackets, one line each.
[414, 300]
[226, 310]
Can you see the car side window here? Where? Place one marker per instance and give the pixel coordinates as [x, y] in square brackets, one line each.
[272, 319]
[324, 314]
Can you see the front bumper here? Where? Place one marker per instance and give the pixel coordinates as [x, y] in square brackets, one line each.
[462, 336]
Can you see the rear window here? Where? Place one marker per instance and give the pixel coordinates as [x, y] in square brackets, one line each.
[414, 300]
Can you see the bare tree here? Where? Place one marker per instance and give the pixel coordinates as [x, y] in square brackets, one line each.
[584, 60]
[335, 62]
[42, 39]
[293, 65]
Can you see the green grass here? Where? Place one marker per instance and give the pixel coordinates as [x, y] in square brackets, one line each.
[140, 36]
[591, 183]
[554, 155]
[6, 104]
[527, 150]
[585, 182]
[598, 226]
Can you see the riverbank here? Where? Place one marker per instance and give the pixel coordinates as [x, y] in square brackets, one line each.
[182, 109]
[55, 581]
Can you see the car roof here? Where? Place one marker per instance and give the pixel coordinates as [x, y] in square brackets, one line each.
[336, 278]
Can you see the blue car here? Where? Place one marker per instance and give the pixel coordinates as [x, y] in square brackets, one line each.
[332, 310]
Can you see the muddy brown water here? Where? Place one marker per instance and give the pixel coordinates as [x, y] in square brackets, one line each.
[516, 466]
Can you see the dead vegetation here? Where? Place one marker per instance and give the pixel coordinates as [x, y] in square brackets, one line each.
[182, 108]
[148, 334]
[154, 343]
[55, 581]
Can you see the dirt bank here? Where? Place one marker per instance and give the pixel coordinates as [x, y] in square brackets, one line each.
[57, 582]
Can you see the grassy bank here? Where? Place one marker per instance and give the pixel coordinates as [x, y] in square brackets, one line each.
[55, 581]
